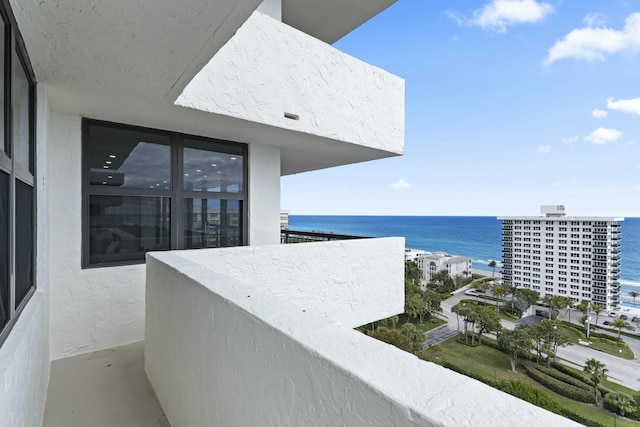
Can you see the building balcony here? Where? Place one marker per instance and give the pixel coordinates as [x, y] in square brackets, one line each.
[264, 336]
[293, 236]
[304, 95]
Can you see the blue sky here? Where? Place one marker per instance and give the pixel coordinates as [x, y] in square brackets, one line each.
[510, 104]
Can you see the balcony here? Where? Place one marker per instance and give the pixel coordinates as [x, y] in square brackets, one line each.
[293, 236]
[264, 336]
[302, 95]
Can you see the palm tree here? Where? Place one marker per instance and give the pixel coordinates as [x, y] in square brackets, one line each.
[499, 292]
[620, 323]
[493, 266]
[597, 309]
[598, 373]
[634, 295]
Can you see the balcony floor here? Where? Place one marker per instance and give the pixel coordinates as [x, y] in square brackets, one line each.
[103, 388]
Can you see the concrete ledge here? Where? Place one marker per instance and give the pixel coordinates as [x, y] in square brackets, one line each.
[222, 351]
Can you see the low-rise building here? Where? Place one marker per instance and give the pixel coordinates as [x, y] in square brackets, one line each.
[454, 265]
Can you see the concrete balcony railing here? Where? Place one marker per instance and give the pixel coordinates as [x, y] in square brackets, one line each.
[264, 336]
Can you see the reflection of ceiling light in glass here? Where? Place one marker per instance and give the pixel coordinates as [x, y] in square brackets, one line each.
[204, 176]
[213, 164]
[113, 156]
[105, 167]
[219, 172]
[108, 162]
[198, 170]
[186, 174]
[165, 181]
[110, 177]
[234, 158]
[104, 182]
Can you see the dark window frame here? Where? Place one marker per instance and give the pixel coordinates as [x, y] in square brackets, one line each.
[176, 194]
[14, 55]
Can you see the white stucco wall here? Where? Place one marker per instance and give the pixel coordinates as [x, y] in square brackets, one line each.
[98, 308]
[264, 195]
[221, 351]
[269, 68]
[351, 282]
[24, 356]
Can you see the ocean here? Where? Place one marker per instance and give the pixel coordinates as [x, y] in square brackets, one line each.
[476, 237]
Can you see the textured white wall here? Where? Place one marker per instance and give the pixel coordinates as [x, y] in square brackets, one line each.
[351, 282]
[269, 68]
[98, 308]
[264, 195]
[24, 356]
[221, 351]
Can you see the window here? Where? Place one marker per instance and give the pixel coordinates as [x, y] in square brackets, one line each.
[17, 175]
[147, 189]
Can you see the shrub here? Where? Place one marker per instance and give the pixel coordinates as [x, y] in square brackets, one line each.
[568, 390]
[581, 419]
[530, 394]
[565, 378]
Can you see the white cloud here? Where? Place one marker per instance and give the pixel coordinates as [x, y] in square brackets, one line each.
[591, 44]
[603, 135]
[599, 114]
[595, 20]
[626, 105]
[499, 14]
[400, 184]
[544, 149]
[570, 140]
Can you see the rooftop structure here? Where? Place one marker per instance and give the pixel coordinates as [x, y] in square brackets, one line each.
[572, 256]
[431, 263]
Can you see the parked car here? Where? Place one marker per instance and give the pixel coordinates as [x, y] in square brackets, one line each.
[635, 319]
[624, 316]
[606, 323]
[612, 314]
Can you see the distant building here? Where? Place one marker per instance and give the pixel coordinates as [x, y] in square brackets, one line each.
[577, 257]
[413, 254]
[284, 219]
[432, 263]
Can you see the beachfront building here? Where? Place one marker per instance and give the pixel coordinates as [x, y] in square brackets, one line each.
[134, 130]
[430, 264]
[414, 254]
[555, 254]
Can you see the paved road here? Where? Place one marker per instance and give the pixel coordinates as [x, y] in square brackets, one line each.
[623, 371]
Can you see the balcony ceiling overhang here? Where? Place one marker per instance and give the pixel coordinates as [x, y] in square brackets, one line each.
[127, 61]
[330, 20]
[136, 49]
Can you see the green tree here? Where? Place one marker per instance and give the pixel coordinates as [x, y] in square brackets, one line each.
[487, 321]
[442, 281]
[391, 322]
[416, 307]
[499, 292]
[483, 286]
[529, 295]
[464, 311]
[597, 309]
[597, 372]
[410, 288]
[493, 266]
[515, 343]
[550, 337]
[432, 301]
[620, 324]
[514, 292]
[412, 271]
[624, 403]
[634, 295]
[583, 307]
[393, 337]
[417, 337]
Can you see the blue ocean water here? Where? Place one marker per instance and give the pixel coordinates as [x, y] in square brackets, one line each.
[476, 237]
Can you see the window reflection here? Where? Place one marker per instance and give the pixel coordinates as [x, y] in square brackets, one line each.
[129, 158]
[211, 223]
[123, 228]
[212, 171]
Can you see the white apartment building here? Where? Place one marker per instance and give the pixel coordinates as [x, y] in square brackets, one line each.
[143, 146]
[563, 255]
[455, 265]
[414, 254]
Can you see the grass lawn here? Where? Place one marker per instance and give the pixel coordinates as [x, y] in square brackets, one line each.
[491, 363]
[575, 336]
[428, 325]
